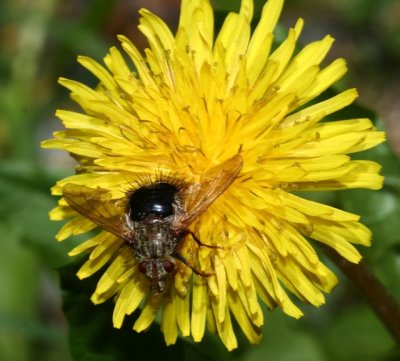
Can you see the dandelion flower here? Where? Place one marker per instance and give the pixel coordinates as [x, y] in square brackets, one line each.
[187, 106]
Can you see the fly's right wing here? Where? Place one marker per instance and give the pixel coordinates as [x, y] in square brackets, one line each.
[198, 197]
[98, 206]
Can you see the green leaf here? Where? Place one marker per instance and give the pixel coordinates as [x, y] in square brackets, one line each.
[19, 296]
[357, 334]
[287, 339]
[25, 203]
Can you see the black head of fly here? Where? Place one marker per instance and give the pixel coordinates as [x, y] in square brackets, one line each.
[155, 200]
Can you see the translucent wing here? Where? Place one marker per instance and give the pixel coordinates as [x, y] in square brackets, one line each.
[97, 205]
[198, 197]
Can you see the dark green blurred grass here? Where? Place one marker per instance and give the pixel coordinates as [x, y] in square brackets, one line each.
[39, 42]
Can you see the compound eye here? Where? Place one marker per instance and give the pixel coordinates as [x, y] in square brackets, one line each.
[168, 266]
[143, 267]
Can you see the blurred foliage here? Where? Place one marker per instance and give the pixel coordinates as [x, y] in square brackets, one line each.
[39, 41]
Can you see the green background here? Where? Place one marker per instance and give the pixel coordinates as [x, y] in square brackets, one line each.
[39, 42]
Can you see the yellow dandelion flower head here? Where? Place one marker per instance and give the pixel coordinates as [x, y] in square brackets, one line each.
[227, 123]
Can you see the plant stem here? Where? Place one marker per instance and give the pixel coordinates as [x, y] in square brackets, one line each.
[373, 290]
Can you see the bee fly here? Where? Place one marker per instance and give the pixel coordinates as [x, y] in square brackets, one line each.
[156, 217]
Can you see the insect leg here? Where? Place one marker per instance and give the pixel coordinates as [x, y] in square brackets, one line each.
[200, 243]
[179, 257]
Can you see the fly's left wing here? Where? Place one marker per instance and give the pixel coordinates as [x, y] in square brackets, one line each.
[98, 206]
[198, 197]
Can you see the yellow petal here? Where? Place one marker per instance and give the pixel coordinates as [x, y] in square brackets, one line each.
[114, 271]
[77, 225]
[128, 301]
[91, 243]
[261, 41]
[252, 333]
[148, 314]
[199, 308]
[169, 325]
[225, 329]
[98, 71]
[337, 242]
[221, 281]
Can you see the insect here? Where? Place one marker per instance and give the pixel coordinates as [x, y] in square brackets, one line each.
[156, 217]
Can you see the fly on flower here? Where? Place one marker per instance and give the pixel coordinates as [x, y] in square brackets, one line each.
[188, 105]
[155, 218]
